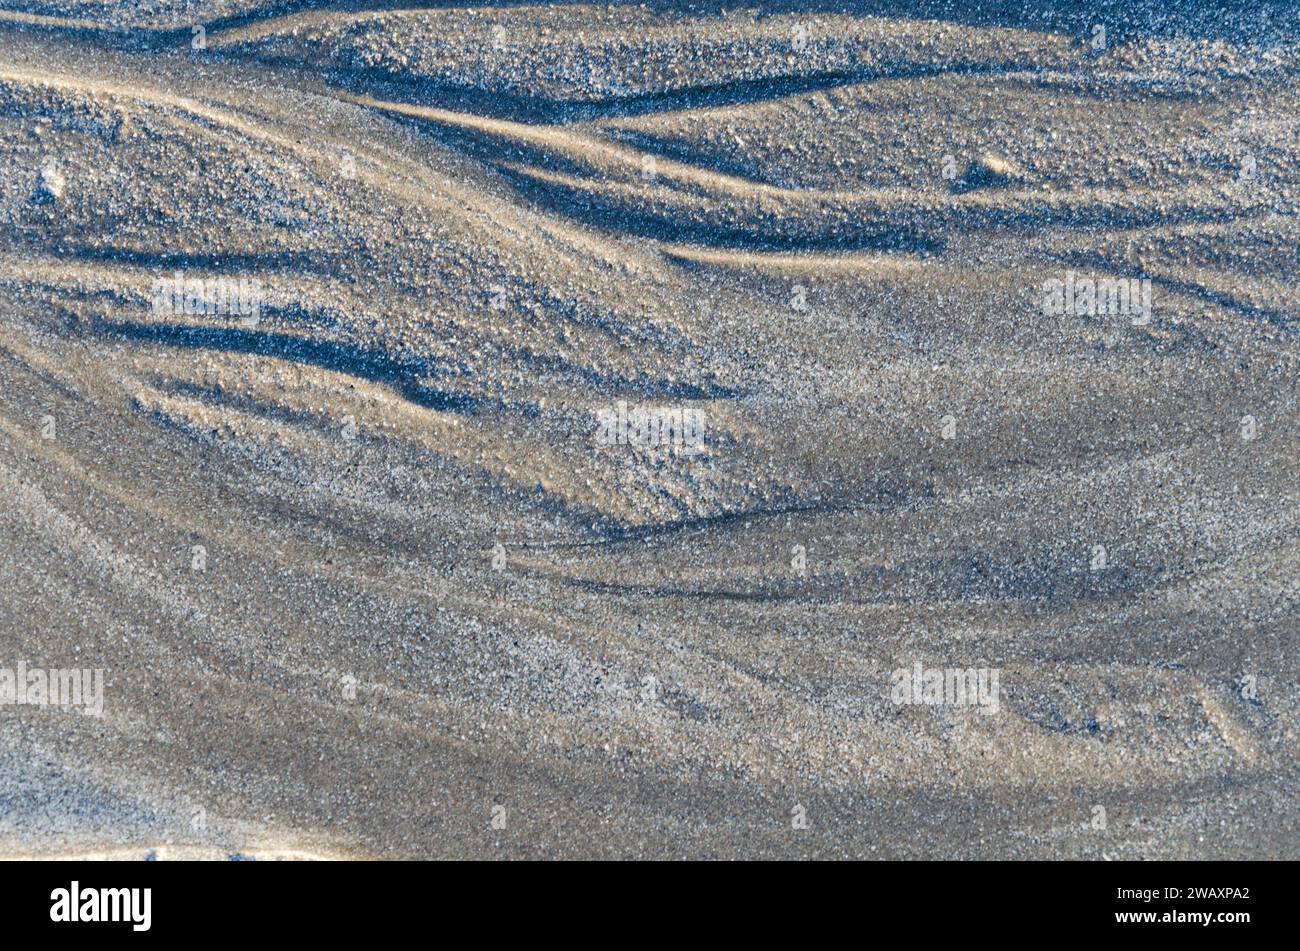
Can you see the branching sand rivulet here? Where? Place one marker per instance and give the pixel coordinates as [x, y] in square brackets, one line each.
[612, 430]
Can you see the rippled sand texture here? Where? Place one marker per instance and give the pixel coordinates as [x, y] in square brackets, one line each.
[476, 229]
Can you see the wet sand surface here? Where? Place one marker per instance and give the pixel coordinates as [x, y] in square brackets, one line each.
[370, 572]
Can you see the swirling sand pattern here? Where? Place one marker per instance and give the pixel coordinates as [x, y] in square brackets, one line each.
[365, 580]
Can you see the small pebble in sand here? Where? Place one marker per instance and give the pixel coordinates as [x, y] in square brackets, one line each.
[50, 185]
[997, 166]
[989, 171]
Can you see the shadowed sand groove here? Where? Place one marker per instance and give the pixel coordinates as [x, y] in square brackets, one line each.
[536, 431]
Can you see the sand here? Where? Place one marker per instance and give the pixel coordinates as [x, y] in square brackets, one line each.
[570, 420]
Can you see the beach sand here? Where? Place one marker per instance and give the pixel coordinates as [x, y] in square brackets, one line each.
[549, 431]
